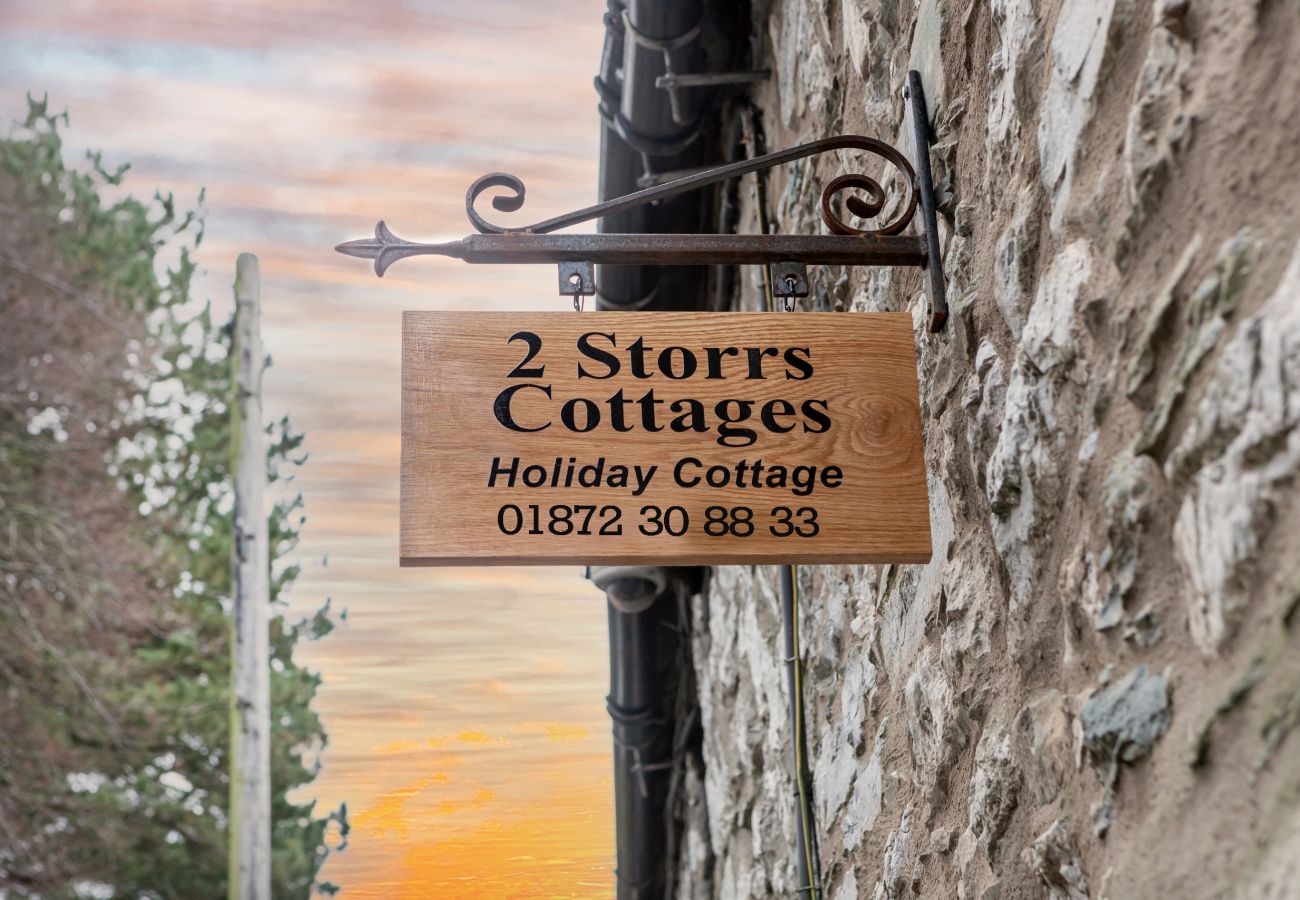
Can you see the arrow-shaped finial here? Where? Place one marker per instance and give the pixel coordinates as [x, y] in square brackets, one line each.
[386, 248]
[379, 248]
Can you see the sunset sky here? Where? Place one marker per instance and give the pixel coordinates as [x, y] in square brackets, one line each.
[465, 708]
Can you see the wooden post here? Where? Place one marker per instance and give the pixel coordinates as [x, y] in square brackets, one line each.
[250, 677]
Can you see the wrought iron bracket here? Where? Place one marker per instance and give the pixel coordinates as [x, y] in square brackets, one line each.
[846, 245]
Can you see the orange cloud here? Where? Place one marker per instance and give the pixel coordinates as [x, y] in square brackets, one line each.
[555, 732]
[480, 799]
[385, 817]
[492, 687]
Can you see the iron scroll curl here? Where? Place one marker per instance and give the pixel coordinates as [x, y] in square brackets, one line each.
[870, 207]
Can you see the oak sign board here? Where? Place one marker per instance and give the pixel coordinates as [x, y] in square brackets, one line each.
[668, 438]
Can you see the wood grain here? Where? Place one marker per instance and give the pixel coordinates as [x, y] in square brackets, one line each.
[455, 366]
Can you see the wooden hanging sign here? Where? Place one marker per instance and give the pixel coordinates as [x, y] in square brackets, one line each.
[663, 438]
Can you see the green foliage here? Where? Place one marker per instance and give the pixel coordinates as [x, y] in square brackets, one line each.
[145, 808]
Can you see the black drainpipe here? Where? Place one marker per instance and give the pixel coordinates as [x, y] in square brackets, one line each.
[642, 138]
[642, 648]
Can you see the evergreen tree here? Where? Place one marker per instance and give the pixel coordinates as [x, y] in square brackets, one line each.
[115, 575]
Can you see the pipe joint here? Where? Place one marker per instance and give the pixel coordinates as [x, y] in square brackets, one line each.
[630, 589]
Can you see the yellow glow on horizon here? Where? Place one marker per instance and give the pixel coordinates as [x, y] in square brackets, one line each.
[552, 850]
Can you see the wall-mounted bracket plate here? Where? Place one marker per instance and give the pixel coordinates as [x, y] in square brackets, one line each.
[789, 280]
[577, 279]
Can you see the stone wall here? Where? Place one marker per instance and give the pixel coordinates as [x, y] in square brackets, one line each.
[1093, 688]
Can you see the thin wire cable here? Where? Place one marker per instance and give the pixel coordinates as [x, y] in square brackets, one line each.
[805, 794]
[809, 850]
[808, 868]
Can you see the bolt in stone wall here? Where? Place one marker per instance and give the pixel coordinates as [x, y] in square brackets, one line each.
[1093, 688]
